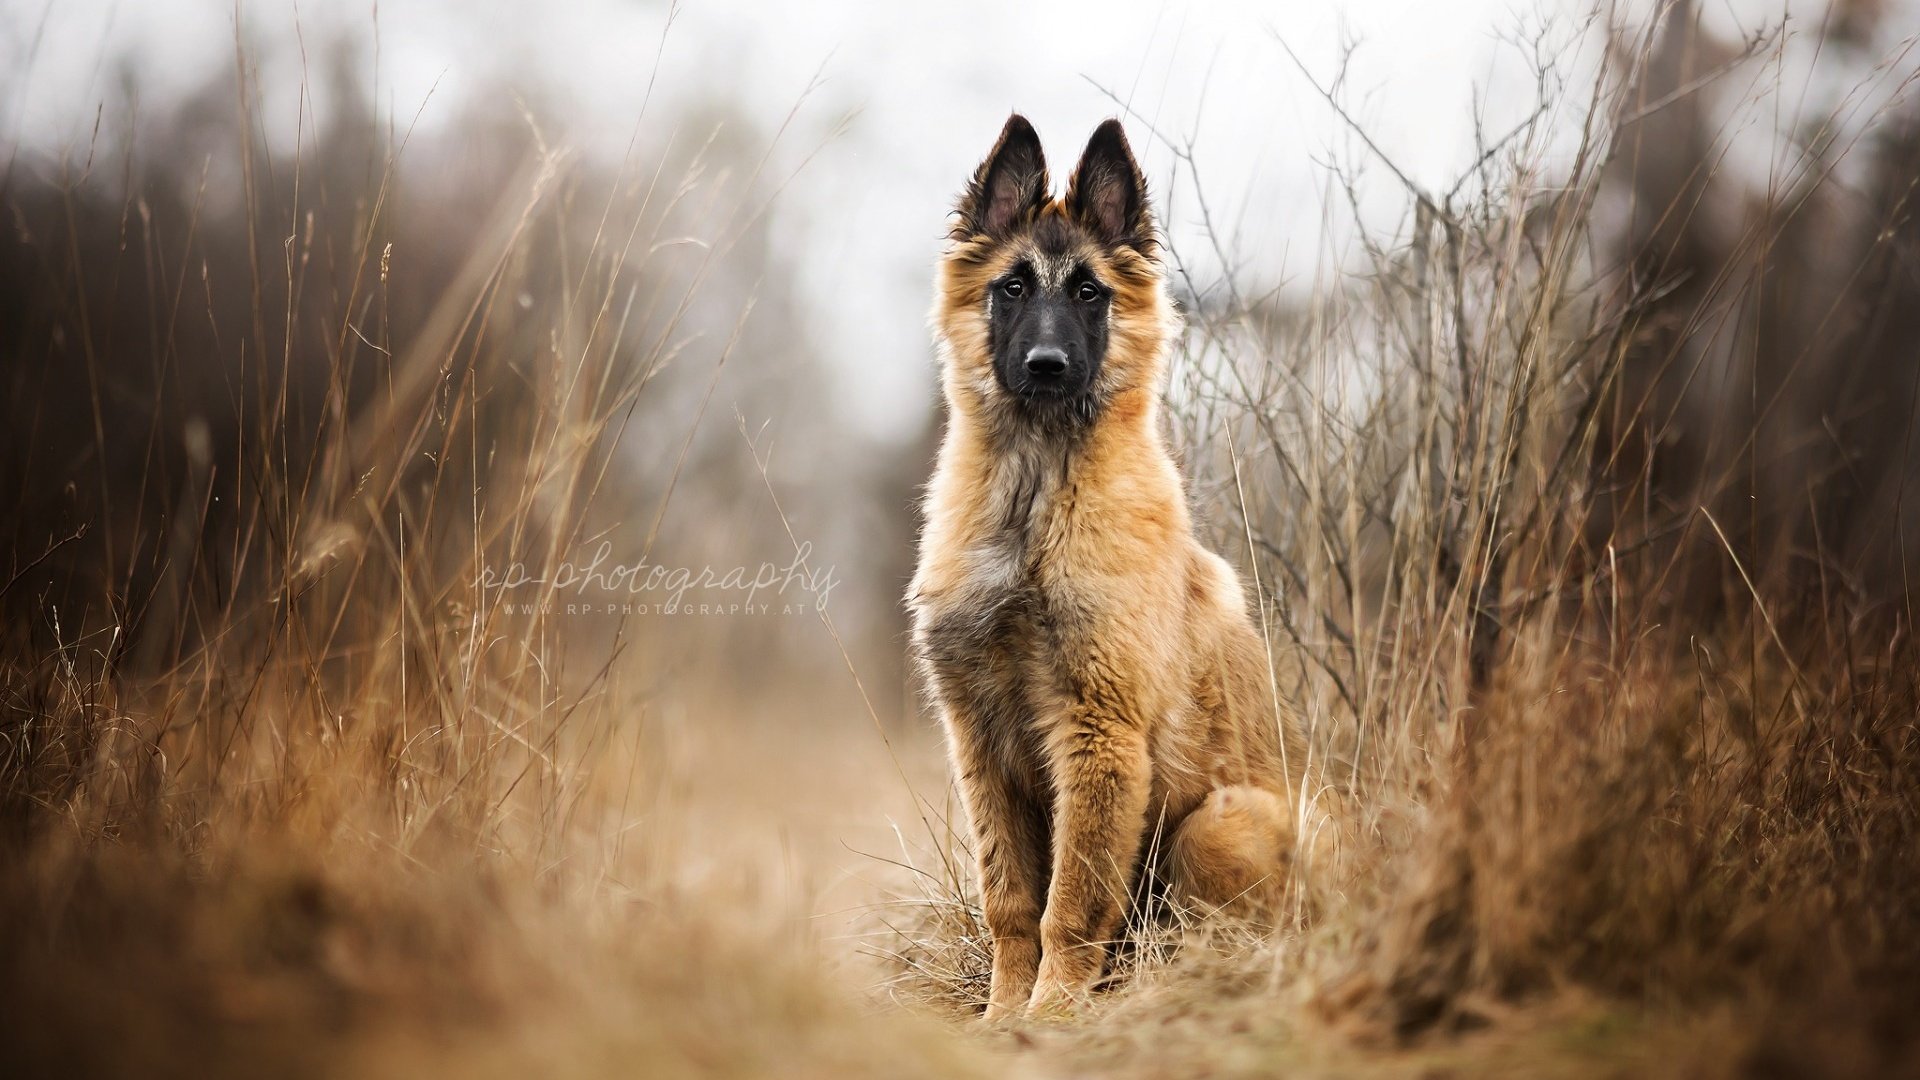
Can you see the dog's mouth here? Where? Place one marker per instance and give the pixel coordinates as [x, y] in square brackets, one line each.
[1066, 407]
[1048, 399]
[1049, 389]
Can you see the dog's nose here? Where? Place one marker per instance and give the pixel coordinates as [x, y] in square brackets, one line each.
[1046, 362]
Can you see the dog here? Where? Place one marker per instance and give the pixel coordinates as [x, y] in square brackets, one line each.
[1098, 675]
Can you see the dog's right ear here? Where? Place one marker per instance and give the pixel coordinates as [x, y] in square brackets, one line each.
[1008, 187]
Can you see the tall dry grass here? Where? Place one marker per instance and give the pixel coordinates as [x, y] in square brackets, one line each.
[292, 780]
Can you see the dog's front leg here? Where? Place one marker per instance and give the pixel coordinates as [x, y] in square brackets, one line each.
[1010, 847]
[1099, 763]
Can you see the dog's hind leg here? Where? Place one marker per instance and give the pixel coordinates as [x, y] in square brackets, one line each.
[1233, 853]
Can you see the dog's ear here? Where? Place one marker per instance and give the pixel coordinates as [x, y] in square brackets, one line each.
[1009, 186]
[1107, 193]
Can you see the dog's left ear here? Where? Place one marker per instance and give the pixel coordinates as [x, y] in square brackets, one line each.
[1107, 193]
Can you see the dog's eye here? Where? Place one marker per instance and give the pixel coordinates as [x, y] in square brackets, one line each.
[1013, 288]
[1089, 291]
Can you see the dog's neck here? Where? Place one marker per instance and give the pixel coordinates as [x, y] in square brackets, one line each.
[1029, 466]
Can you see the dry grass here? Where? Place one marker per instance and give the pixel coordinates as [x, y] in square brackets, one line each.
[288, 785]
[1625, 778]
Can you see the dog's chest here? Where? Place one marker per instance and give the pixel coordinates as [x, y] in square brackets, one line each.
[988, 634]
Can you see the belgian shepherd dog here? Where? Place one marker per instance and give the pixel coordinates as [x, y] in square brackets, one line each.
[1104, 693]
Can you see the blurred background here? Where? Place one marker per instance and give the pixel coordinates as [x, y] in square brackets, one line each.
[840, 133]
[830, 142]
[820, 148]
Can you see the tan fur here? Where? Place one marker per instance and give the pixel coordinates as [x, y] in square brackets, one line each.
[1095, 666]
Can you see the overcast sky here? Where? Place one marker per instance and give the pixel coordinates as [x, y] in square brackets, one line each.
[928, 86]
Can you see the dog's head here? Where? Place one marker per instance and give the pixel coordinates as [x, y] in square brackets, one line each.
[1052, 308]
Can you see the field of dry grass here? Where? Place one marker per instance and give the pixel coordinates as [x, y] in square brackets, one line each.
[1577, 514]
